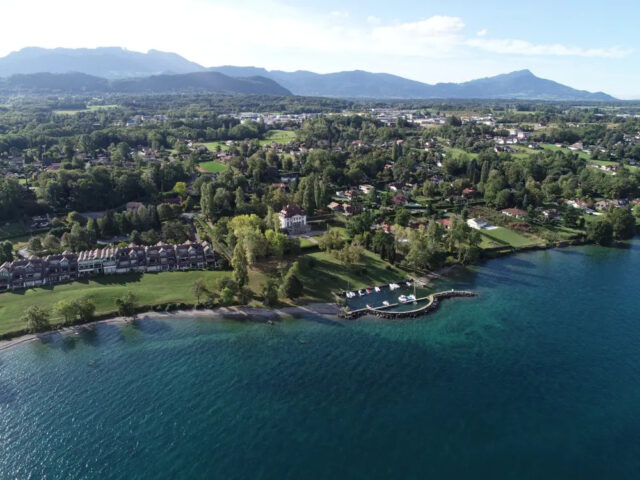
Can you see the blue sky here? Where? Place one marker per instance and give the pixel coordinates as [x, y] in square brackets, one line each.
[589, 44]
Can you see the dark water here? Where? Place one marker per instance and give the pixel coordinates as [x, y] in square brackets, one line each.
[538, 378]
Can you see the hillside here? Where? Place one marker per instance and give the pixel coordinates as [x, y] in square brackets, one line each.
[191, 82]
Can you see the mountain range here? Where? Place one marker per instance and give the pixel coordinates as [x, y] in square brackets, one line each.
[118, 70]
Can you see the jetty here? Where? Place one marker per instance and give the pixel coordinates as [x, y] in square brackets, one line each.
[385, 311]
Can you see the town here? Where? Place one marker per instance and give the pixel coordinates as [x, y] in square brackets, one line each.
[300, 203]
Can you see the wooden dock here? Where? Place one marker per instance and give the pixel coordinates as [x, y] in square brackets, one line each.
[433, 303]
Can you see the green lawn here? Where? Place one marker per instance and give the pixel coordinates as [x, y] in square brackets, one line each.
[582, 155]
[213, 146]
[328, 275]
[278, 136]
[151, 289]
[457, 152]
[90, 108]
[213, 167]
[509, 237]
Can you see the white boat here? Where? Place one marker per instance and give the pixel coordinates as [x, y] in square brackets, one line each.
[411, 298]
[350, 294]
[408, 284]
[386, 303]
[393, 286]
[377, 289]
[403, 299]
[361, 293]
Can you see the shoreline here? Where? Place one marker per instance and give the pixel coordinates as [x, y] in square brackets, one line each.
[254, 314]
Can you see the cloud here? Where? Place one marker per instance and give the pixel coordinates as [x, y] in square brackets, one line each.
[481, 33]
[339, 14]
[432, 36]
[373, 20]
[522, 47]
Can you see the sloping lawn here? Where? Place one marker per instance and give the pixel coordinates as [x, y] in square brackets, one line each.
[509, 237]
[212, 167]
[150, 288]
[327, 275]
[278, 136]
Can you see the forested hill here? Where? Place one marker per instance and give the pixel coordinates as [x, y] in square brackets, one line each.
[75, 83]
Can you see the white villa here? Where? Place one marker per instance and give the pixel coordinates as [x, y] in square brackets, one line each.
[293, 219]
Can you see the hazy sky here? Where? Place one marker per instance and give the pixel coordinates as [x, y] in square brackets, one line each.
[587, 44]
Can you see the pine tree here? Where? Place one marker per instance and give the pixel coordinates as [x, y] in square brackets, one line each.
[239, 264]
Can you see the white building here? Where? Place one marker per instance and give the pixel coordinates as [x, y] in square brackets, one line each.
[477, 223]
[293, 219]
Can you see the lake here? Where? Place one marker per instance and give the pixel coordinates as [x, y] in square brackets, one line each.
[537, 377]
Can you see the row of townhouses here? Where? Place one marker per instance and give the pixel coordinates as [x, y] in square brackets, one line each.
[67, 266]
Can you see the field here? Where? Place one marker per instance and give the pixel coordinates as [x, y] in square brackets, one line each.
[278, 136]
[457, 152]
[90, 108]
[329, 275]
[213, 146]
[509, 237]
[151, 289]
[212, 167]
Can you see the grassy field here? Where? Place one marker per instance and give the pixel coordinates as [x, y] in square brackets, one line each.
[278, 136]
[151, 289]
[457, 152]
[509, 237]
[90, 108]
[213, 146]
[327, 275]
[212, 167]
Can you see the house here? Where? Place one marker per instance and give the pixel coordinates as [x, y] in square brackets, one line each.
[133, 206]
[351, 209]
[469, 192]
[445, 222]
[68, 266]
[334, 206]
[576, 146]
[366, 189]
[293, 219]
[514, 212]
[399, 199]
[477, 223]
[550, 214]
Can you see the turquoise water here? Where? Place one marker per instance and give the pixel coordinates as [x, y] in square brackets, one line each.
[537, 378]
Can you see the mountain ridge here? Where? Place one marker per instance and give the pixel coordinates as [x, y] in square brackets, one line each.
[116, 63]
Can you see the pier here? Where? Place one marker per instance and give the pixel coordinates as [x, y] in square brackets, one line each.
[433, 303]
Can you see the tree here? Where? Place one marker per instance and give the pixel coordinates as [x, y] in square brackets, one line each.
[623, 223]
[239, 264]
[85, 310]
[270, 292]
[292, 286]
[127, 305]
[6, 252]
[181, 189]
[600, 231]
[36, 318]
[332, 239]
[199, 288]
[226, 296]
[67, 310]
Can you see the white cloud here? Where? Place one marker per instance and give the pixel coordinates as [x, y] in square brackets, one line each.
[522, 47]
[481, 33]
[339, 14]
[373, 20]
[433, 36]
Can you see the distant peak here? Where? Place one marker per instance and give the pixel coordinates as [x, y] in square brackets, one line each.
[522, 73]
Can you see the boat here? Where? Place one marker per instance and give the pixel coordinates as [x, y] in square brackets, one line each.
[408, 284]
[393, 286]
[386, 303]
[403, 299]
[411, 298]
[361, 293]
[377, 289]
[368, 291]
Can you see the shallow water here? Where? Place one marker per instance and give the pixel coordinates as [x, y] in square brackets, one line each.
[538, 377]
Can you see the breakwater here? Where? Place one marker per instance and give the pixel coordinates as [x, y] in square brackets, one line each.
[385, 311]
